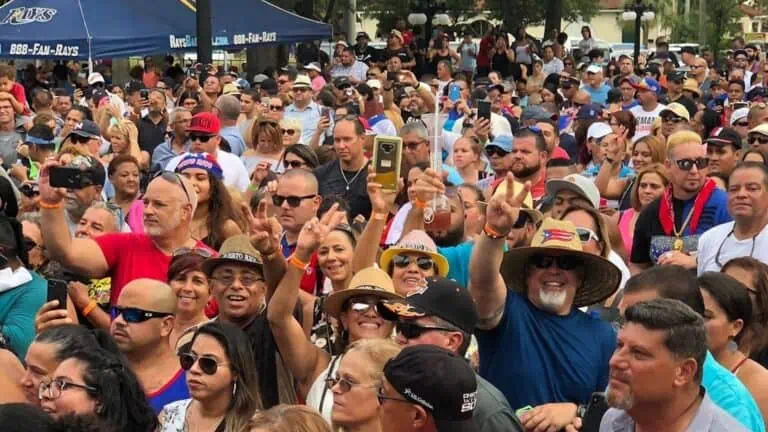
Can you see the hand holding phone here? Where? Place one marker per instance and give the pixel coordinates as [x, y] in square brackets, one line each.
[387, 158]
[57, 290]
[484, 110]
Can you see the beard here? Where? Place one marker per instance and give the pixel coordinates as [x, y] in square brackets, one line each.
[618, 400]
[552, 301]
[452, 237]
[526, 171]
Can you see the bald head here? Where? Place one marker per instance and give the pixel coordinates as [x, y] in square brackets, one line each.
[181, 188]
[148, 294]
[305, 178]
[582, 97]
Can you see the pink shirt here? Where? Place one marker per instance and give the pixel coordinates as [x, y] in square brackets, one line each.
[318, 83]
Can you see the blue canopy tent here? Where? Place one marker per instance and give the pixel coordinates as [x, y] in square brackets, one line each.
[82, 29]
[238, 24]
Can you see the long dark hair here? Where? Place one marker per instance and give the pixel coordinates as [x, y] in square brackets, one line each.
[731, 295]
[758, 337]
[246, 399]
[221, 208]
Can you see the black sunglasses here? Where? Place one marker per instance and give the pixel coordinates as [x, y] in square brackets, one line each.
[135, 315]
[173, 177]
[77, 139]
[292, 164]
[757, 138]
[201, 138]
[208, 365]
[687, 164]
[423, 262]
[563, 262]
[493, 150]
[275, 108]
[289, 132]
[263, 123]
[293, 201]
[411, 330]
[672, 119]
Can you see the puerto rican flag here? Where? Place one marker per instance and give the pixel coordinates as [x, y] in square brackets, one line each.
[557, 235]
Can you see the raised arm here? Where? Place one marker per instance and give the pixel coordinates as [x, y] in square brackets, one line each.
[382, 202]
[485, 282]
[82, 255]
[607, 181]
[264, 233]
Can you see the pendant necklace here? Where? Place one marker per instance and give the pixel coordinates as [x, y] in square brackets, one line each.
[349, 182]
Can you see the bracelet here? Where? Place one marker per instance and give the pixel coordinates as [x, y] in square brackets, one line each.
[49, 206]
[419, 203]
[378, 216]
[296, 262]
[89, 308]
[492, 233]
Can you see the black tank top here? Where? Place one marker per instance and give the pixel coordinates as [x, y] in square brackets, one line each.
[500, 63]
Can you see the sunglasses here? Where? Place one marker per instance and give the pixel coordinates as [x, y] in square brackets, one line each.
[412, 146]
[30, 244]
[744, 124]
[292, 164]
[423, 262]
[362, 307]
[687, 164]
[289, 132]
[208, 365]
[563, 262]
[586, 234]
[275, 108]
[672, 119]
[344, 384]
[293, 201]
[77, 139]
[263, 123]
[201, 138]
[135, 315]
[205, 253]
[411, 330]
[493, 150]
[757, 138]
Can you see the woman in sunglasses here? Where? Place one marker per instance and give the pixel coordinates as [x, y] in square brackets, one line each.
[267, 147]
[216, 218]
[355, 308]
[192, 289]
[299, 156]
[290, 128]
[124, 140]
[222, 381]
[97, 381]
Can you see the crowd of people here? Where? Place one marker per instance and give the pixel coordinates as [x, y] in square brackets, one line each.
[194, 250]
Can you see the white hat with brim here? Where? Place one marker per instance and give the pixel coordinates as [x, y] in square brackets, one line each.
[370, 281]
[578, 184]
[302, 81]
[761, 129]
[555, 237]
[416, 241]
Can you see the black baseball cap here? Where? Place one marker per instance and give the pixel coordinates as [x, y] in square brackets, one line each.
[688, 49]
[439, 297]
[439, 381]
[677, 76]
[724, 136]
[269, 85]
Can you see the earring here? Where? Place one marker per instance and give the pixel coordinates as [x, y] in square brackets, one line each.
[732, 346]
[234, 388]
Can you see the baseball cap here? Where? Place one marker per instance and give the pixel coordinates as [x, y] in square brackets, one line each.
[724, 136]
[648, 84]
[577, 184]
[259, 78]
[342, 43]
[439, 381]
[761, 129]
[269, 85]
[86, 129]
[589, 111]
[439, 297]
[678, 76]
[503, 142]
[94, 172]
[341, 81]
[302, 81]
[205, 123]
[593, 68]
[598, 130]
[738, 114]
[374, 84]
[315, 66]
[94, 78]
[676, 109]
[535, 112]
[40, 135]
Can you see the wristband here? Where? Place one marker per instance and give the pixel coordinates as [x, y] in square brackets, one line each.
[378, 216]
[89, 308]
[296, 262]
[49, 206]
[492, 233]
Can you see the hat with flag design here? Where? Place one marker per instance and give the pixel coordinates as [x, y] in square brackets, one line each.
[557, 238]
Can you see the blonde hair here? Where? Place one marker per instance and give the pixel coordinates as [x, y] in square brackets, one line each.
[682, 137]
[130, 134]
[291, 123]
[655, 168]
[655, 145]
[289, 418]
[379, 352]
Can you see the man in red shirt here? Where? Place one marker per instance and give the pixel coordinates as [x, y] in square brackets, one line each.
[169, 204]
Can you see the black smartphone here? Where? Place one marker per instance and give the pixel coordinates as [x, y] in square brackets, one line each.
[595, 410]
[70, 178]
[387, 158]
[100, 96]
[392, 77]
[739, 105]
[484, 110]
[144, 93]
[57, 290]
[325, 112]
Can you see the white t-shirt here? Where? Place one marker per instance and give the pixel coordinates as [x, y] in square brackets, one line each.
[721, 238]
[319, 396]
[235, 174]
[645, 119]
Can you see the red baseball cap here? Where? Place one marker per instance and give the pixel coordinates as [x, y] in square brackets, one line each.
[205, 123]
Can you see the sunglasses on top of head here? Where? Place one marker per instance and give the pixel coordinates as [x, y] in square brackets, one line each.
[687, 164]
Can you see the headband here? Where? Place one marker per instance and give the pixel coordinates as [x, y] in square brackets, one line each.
[202, 161]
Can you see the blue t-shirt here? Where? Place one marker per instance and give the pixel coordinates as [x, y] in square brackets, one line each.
[175, 390]
[598, 95]
[535, 357]
[728, 392]
[458, 261]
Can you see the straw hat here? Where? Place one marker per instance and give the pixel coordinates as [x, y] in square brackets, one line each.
[692, 86]
[419, 242]
[370, 281]
[235, 250]
[555, 237]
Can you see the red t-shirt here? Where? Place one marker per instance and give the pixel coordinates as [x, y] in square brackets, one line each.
[483, 55]
[18, 92]
[133, 256]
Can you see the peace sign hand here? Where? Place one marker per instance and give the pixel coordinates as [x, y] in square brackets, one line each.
[503, 210]
[264, 231]
[314, 232]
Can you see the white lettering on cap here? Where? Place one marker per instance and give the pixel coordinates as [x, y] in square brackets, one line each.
[408, 392]
[470, 402]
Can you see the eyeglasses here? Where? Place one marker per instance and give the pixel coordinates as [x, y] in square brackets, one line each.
[412, 146]
[289, 132]
[247, 280]
[687, 164]
[205, 253]
[563, 262]
[293, 201]
[345, 385]
[382, 397]
[53, 389]
[744, 124]
[423, 262]
[411, 330]
[173, 177]
[292, 164]
[586, 234]
[208, 365]
[77, 139]
[762, 139]
[136, 315]
[493, 150]
[201, 138]
[275, 108]
[672, 119]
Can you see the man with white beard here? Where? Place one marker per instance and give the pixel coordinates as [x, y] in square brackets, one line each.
[534, 343]
[656, 373]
